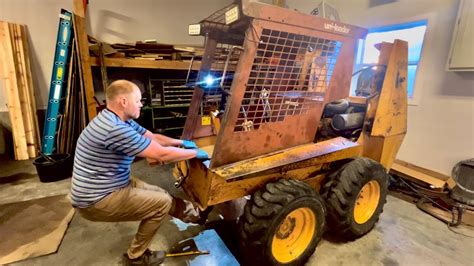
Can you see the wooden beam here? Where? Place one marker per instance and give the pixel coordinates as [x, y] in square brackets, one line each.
[103, 67]
[423, 170]
[70, 115]
[140, 63]
[80, 7]
[13, 101]
[30, 86]
[415, 175]
[23, 92]
[83, 48]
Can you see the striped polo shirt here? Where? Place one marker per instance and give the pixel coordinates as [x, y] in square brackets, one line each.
[105, 151]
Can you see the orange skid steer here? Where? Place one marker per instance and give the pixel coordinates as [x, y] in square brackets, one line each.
[272, 108]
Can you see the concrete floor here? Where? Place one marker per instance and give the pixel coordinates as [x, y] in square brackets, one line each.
[403, 236]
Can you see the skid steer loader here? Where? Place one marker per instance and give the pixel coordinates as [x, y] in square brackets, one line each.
[272, 108]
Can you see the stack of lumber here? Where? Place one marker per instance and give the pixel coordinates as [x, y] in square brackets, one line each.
[148, 50]
[15, 74]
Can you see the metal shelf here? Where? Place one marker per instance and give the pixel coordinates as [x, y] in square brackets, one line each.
[152, 64]
[169, 106]
[172, 96]
[170, 117]
[171, 128]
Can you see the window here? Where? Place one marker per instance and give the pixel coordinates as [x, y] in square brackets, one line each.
[412, 32]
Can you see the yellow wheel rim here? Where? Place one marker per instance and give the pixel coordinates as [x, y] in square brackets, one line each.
[367, 202]
[294, 234]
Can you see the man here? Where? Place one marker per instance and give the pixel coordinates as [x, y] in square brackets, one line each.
[102, 189]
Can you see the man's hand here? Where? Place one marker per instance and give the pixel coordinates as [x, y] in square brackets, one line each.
[202, 155]
[188, 144]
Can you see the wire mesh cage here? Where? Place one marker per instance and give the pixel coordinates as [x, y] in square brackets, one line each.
[290, 72]
[275, 69]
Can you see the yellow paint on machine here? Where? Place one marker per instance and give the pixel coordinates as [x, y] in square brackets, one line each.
[294, 235]
[367, 202]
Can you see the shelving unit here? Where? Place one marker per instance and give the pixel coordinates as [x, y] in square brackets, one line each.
[166, 93]
[151, 64]
[168, 104]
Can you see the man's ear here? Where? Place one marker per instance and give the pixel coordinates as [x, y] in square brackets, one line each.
[123, 101]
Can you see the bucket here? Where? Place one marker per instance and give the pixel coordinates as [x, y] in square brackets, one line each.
[59, 168]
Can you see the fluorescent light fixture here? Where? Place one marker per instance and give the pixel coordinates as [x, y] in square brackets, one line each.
[232, 15]
[194, 29]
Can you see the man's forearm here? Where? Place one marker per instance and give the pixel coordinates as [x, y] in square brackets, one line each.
[173, 154]
[167, 141]
[163, 140]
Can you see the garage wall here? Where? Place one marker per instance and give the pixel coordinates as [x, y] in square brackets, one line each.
[441, 124]
[440, 127]
[41, 18]
[164, 20]
[108, 20]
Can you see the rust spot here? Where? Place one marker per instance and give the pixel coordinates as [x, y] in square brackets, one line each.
[286, 140]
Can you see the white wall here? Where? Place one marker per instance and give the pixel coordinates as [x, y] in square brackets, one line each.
[164, 20]
[41, 18]
[108, 20]
[441, 125]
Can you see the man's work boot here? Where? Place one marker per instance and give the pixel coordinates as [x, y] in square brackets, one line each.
[203, 215]
[148, 258]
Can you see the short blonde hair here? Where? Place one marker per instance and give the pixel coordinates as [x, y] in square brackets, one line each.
[118, 87]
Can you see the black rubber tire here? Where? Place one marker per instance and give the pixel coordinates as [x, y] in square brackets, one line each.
[267, 209]
[341, 193]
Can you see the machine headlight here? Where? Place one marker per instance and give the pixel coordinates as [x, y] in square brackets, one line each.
[194, 29]
[232, 15]
[209, 81]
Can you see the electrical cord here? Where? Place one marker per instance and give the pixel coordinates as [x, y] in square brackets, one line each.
[459, 233]
[256, 34]
[424, 198]
[429, 192]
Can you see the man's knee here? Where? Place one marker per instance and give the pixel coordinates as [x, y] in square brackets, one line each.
[164, 203]
[168, 202]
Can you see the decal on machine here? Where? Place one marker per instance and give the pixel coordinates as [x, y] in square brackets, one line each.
[335, 27]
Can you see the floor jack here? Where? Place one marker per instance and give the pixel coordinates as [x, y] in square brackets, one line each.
[163, 255]
[208, 243]
[184, 248]
[187, 253]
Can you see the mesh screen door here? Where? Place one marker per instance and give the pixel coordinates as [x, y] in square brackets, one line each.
[289, 75]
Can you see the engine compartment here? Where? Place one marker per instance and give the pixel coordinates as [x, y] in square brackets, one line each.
[342, 118]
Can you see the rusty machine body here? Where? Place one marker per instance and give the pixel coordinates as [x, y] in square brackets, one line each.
[280, 126]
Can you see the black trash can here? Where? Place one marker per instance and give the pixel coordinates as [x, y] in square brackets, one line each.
[49, 171]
